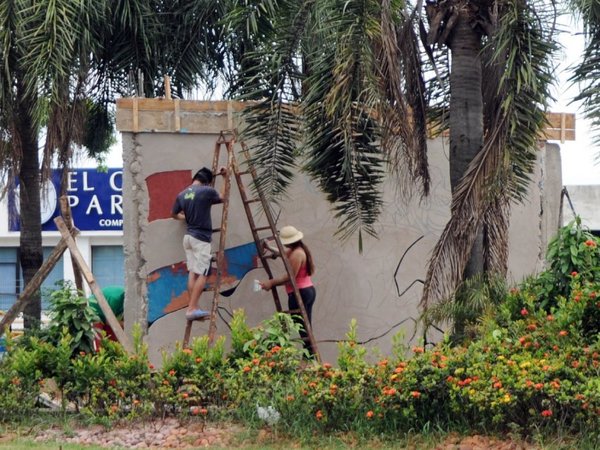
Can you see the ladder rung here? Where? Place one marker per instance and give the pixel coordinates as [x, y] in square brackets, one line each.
[199, 319]
[267, 227]
[252, 200]
[293, 311]
[244, 172]
[216, 230]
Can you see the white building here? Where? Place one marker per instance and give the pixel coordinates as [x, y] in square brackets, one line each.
[96, 203]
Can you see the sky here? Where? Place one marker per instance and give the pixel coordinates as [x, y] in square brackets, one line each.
[578, 157]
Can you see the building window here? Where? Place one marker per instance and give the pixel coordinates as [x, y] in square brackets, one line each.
[108, 265]
[11, 278]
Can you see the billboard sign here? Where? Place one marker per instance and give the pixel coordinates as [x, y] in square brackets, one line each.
[95, 197]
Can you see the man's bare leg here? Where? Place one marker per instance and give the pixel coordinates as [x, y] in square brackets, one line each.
[196, 285]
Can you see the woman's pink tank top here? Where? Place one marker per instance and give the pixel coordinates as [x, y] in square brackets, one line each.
[302, 280]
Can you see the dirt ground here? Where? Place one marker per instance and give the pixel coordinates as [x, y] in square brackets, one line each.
[171, 433]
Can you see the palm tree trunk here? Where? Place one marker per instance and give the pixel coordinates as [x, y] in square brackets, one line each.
[466, 115]
[31, 255]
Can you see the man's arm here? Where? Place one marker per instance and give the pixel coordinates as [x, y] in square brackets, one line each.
[222, 172]
[177, 211]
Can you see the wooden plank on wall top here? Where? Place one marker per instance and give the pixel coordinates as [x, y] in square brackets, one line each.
[164, 115]
[160, 115]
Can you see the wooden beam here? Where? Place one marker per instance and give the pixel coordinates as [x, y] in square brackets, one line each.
[65, 211]
[35, 283]
[91, 281]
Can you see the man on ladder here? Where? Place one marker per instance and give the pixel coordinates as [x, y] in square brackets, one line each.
[193, 205]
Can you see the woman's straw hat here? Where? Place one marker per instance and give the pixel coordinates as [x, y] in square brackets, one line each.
[289, 235]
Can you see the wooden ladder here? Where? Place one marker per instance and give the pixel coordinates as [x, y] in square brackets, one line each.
[271, 233]
[226, 140]
[259, 235]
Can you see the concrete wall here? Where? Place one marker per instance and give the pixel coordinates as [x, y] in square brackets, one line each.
[349, 285]
[586, 201]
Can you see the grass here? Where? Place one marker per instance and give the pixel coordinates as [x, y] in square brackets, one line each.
[18, 436]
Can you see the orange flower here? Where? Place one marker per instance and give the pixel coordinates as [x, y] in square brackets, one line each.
[246, 369]
[187, 351]
[198, 360]
[524, 312]
[418, 350]
[563, 333]
[531, 327]
[574, 274]
[275, 349]
[172, 372]
[326, 366]
[498, 384]
[151, 366]
[319, 414]
[370, 414]
[256, 361]
[383, 363]
[390, 391]
[184, 395]
[415, 394]
[290, 398]
[333, 389]
[398, 369]
[539, 386]
[81, 353]
[312, 384]
[590, 243]
[555, 384]
[195, 410]
[546, 413]
[549, 317]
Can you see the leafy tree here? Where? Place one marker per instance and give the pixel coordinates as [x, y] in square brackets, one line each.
[349, 86]
[63, 62]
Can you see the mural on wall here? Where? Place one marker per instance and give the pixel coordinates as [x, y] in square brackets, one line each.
[167, 286]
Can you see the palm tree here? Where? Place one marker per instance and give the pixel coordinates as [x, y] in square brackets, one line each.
[587, 71]
[367, 76]
[61, 65]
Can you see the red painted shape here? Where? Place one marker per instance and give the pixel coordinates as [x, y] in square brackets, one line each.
[163, 188]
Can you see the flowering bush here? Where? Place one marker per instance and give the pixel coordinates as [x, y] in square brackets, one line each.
[535, 365]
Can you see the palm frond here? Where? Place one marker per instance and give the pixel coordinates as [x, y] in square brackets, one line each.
[403, 117]
[522, 51]
[587, 72]
[341, 107]
[271, 78]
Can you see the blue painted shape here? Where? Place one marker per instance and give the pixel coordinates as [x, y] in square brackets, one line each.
[167, 284]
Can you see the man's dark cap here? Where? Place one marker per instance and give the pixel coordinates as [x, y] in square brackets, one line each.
[204, 176]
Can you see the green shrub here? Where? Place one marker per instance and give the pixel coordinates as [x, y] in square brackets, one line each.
[71, 310]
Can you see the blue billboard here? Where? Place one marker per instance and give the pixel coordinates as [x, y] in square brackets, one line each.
[95, 197]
